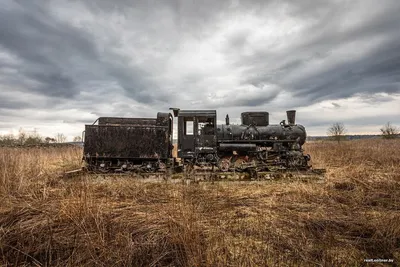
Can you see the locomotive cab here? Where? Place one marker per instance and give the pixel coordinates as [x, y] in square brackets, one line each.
[197, 138]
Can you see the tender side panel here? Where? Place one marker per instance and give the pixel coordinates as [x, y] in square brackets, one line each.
[127, 141]
[126, 121]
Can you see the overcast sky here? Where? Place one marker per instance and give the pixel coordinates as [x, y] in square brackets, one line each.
[63, 64]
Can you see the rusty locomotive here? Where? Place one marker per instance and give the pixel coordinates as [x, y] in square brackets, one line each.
[146, 144]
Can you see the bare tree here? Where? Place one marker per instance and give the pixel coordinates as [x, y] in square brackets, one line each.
[22, 136]
[337, 131]
[389, 131]
[60, 138]
[77, 139]
[49, 140]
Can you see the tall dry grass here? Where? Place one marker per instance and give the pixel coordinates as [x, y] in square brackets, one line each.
[22, 169]
[46, 220]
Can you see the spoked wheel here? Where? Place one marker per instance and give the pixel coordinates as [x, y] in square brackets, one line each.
[239, 164]
[162, 166]
[224, 164]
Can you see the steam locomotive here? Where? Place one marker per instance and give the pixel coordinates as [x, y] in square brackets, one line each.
[146, 144]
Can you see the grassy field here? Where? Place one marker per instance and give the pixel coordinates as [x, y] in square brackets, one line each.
[354, 215]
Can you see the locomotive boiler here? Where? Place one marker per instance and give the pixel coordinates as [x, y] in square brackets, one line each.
[257, 143]
[255, 126]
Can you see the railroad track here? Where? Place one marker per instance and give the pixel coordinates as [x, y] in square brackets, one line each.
[206, 175]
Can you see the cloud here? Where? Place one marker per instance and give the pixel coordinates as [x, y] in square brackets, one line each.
[354, 111]
[56, 58]
[122, 58]
[337, 56]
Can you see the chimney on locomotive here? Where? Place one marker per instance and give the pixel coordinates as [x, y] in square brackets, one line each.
[291, 117]
[175, 111]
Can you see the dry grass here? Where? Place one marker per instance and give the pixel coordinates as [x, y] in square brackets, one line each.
[120, 221]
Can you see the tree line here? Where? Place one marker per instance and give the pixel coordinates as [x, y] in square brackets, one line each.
[337, 131]
[24, 138]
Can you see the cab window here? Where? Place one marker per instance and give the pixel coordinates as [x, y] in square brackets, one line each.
[189, 127]
[206, 126]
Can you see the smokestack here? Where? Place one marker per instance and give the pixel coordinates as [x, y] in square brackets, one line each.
[291, 117]
[227, 119]
[176, 111]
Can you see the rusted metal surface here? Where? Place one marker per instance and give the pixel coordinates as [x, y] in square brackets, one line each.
[261, 134]
[291, 117]
[126, 121]
[139, 141]
[197, 113]
[161, 120]
[263, 144]
[197, 134]
[237, 147]
[201, 142]
[130, 138]
[255, 118]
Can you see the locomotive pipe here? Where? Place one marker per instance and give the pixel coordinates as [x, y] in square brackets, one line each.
[237, 147]
[291, 117]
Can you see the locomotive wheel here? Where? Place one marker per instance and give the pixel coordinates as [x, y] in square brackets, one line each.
[239, 164]
[224, 164]
[162, 166]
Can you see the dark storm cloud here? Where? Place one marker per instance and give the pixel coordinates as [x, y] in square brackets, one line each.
[43, 45]
[376, 71]
[13, 104]
[55, 57]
